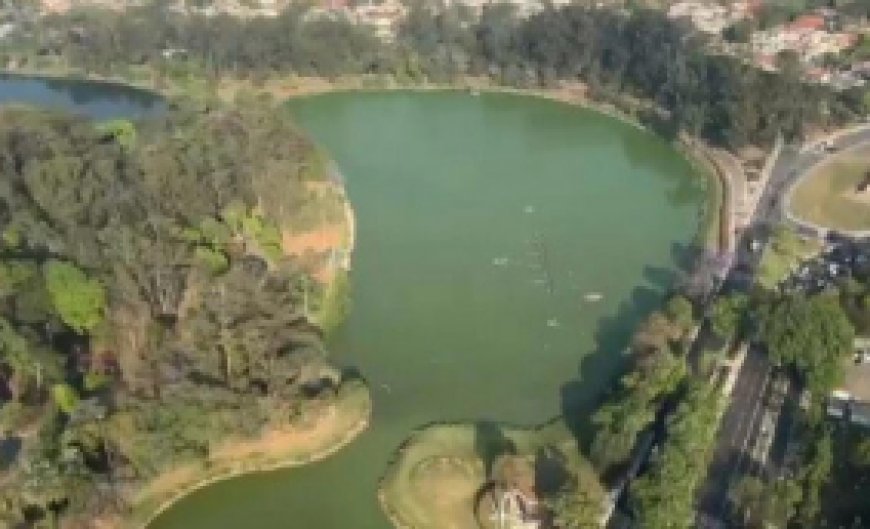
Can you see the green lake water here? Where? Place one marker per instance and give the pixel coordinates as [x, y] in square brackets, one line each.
[482, 224]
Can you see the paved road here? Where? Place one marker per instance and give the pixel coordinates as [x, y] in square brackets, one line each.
[742, 420]
[789, 167]
[738, 424]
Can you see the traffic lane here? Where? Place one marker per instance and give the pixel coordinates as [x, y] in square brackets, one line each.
[736, 429]
[750, 403]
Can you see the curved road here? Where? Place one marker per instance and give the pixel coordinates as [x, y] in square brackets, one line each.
[742, 420]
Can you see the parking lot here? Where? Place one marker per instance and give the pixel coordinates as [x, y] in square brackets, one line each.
[839, 261]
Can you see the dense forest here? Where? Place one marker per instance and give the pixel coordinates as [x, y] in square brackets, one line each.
[639, 55]
[147, 308]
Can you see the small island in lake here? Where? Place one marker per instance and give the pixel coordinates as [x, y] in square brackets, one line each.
[164, 289]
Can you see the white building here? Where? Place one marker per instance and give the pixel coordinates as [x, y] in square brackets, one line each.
[706, 17]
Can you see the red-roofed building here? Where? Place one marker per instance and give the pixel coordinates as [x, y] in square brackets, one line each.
[808, 23]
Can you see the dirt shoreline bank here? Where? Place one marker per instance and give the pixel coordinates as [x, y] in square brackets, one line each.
[259, 460]
[349, 437]
[339, 424]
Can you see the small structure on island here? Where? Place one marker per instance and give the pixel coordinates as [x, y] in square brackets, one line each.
[514, 500]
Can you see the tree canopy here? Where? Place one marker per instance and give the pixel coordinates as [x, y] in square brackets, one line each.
[812, 335]
[658, 353]
[120, 344]
[664, 497]
[79, 301]
[653, 67]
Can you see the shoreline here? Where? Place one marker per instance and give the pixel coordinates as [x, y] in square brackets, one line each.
[256, 463]
[574, 94]
[349, 437]
[245, 466]
[210, 472]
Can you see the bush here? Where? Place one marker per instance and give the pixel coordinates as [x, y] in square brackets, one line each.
[65, 397]
[78, 300]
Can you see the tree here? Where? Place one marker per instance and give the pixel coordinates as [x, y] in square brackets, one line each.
[664, 497]
[728, 314]
[80, 302]
[739, 31]
[102, 233]
[121, 130]
[659, 368]
[860, 455]
[812, 335]
[65, 397]
[579, 504]
[680, 311]
[814, 474]
[766, 506]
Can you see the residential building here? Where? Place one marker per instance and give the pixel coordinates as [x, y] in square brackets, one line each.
[382, 17]
[710, 18]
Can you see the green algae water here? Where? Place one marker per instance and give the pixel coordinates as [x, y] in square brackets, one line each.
[487, 226]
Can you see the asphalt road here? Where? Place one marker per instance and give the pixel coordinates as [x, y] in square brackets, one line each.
[742, 420]
[738, 425]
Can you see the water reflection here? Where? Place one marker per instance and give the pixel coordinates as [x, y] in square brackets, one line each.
[96, 100]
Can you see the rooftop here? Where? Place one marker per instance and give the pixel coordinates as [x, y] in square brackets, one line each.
[809, 22]
[857, 380]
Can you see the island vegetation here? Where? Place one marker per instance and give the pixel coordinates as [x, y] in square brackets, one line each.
[157, 326]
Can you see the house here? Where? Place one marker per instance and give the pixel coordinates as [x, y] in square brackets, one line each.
[707, 17]
[807, 23]
[515, 503]
[383, 18]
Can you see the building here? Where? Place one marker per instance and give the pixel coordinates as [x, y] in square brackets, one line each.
[524, 8]
[514, 500]
[851, 400]
[811, 22]
[710, 18]
[383, 18]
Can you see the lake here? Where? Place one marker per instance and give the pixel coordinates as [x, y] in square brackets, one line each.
[484, 225]
[96, 100]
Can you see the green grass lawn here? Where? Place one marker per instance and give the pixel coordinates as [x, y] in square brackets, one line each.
[785, 251]
[827, 196]
[434, 481]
